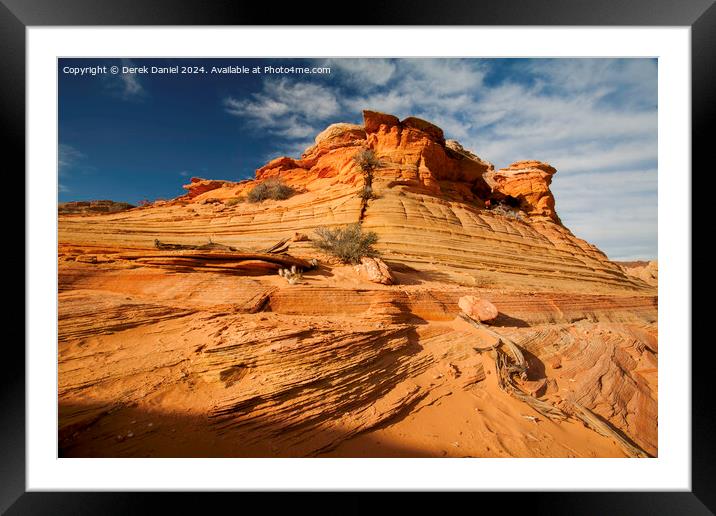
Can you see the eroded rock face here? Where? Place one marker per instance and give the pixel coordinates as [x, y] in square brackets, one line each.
[199, 186]
[648, 272]
[373, 120]
[346, 132]
[527, 182]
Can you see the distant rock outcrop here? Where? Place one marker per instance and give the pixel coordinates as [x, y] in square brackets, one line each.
[87, 207]
[648, 272]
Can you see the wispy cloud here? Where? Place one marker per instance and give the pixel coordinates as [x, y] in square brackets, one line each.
[67, 158]
[291, 110]
[595, 120]
[126, 86]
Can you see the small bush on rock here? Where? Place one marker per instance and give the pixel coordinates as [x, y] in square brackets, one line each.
[366, 160]
[235, 200]
[349, 243]
[270, 189]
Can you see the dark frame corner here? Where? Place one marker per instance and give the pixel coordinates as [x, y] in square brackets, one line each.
[17, 15]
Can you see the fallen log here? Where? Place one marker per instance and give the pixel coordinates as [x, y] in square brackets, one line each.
[207, 247]
[284, 260]
[602, 427]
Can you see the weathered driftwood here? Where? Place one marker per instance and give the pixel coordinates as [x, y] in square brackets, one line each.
[519, 364]
[211, 246]
[188, 257]
[279, 247]
[604, 428]
[504, 380]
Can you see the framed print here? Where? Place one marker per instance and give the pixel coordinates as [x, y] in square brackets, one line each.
[388, 256]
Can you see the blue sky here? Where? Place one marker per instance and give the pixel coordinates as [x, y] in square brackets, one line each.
[134, 136]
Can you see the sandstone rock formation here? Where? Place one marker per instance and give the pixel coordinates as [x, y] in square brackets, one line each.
[648, 272]
[188, 348]
[428, 210]
[527, 182]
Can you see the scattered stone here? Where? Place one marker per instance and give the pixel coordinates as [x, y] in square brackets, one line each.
[375, 270]
[477, 308]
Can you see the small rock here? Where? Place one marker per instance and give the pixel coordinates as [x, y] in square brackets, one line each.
[477, 308]
[375, 270]
[130, 434]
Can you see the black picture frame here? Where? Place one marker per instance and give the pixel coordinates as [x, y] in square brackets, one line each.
[17, 15]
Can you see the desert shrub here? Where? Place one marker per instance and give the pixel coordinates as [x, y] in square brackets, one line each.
[272, 188]
[235, 200]
[366, 160]
[349, 243]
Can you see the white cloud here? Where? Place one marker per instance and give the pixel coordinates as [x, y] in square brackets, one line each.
[615, 210]
[288, 109]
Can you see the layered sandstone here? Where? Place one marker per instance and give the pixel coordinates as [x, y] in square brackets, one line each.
[177, 336]
[428, 211]
[648, 272]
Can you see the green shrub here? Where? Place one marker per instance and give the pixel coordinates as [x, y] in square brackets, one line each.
[349, 243]
[272, 188]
